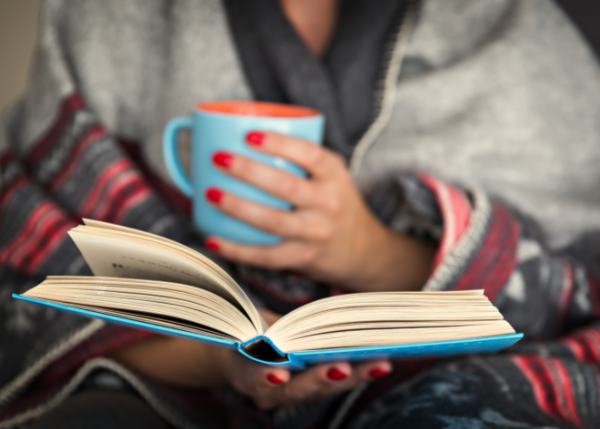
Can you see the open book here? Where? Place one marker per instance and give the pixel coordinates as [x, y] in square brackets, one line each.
[154, 283]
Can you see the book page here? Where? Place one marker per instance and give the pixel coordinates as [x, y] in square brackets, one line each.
[136, 298]
[126, 253]
[387, 318]
[388, 337]
[107, 257]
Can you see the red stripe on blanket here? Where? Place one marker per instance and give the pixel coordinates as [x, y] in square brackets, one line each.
[456, 211]
[49, 243]
[545, 389]
[586, 344]
[592, 340]
[11, 189]
[97, 203]
[28, 232]
[42, 147]
[45, 229]
[576, 348]
[172, 195]
[567, 402]
[90, 137]
[129, 191]
[137, 196]
[118, 189]
[496, 260]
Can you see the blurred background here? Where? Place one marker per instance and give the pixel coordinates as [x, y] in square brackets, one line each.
[18, 33]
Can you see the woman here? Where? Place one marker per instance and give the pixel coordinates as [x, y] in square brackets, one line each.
[445, 167]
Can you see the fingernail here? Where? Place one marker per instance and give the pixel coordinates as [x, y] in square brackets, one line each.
[336, 375]
[223, 159]
[378, 373]
[212, 245]
[215, 195]
[255, 138]
[274, 379]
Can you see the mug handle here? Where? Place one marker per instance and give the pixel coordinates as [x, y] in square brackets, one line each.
[172, 161]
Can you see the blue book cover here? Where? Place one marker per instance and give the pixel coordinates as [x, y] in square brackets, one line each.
[300, 360]
[149, 282]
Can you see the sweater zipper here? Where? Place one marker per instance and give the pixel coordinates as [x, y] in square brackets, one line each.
[386, 93]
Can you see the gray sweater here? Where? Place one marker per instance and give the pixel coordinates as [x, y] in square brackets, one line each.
[502, 95]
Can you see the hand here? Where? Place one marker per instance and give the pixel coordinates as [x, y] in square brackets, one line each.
[269, 386]
[331, 235]
[192, 364]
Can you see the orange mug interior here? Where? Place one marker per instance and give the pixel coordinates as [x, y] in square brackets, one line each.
[257, 108]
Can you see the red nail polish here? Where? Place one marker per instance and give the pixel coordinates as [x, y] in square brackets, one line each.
[212, 245]
[336, 375]
[378, 373]
[274, 379]
[215, 195]
[255, 138]
[223, 159]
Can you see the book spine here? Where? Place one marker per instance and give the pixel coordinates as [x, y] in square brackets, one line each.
[261, 349]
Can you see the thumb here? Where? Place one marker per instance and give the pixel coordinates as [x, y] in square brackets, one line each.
[257, 377]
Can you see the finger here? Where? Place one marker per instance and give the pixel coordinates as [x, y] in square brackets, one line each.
[293, 189]
[276, 376]
[372, 370]
[328, 380]
[254, 378]
[318, 161]
[288, 255]
[274, 221]
[318, 381]
[263, 384]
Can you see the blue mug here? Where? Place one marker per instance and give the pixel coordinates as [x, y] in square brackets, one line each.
[222, 126]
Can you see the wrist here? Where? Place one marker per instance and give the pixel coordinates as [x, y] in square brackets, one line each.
[207, 365]
[220, 365]
[392, 262]
[174, 361]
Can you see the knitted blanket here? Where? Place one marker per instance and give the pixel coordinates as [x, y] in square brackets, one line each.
[71, 165]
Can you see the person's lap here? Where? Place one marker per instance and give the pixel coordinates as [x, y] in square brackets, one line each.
[483, 392]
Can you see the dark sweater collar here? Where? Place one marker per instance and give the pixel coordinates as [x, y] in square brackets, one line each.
[279, 66]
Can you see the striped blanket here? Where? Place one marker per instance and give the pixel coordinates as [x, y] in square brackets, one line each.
[74, 148]
[78, 170]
